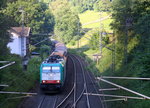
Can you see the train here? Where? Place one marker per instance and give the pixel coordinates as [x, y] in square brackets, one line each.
[53, 69]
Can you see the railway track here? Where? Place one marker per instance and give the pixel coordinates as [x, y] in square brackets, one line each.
[49, 100]
[93, 87]
[69, 99]
[78, 82]
[76, 97]
[81, 87]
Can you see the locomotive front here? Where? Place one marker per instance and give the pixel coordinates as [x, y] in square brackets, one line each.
[51, 76]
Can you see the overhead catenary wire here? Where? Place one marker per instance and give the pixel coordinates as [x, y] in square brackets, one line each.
[41, 41]
[126, 89]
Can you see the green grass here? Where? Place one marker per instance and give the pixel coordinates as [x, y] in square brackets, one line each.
[90, 16]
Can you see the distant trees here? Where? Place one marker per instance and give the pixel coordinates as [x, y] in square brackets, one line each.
[94, 41]
[66, 21]
[103, 5]
[36, 15]
[83, 5]
[78, 5]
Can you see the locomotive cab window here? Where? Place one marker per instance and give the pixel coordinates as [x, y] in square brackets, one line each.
[51, 69]
[46, 69]
[55, 69]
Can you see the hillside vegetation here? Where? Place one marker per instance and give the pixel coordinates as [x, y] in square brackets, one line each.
[91, 19]
[132, 50]
[125, 38]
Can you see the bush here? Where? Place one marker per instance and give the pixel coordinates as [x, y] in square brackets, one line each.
[18, 80]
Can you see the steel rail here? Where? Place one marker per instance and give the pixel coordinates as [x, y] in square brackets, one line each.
[54, 106]
[87, 97]
[74, 105]
[94, 86]
[73, 89]
[65, 97]
[40, 105]
[75, 84]
[84, 87]
[79, 96]
[43, 100]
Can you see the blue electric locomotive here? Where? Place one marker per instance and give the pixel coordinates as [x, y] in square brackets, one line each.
[52, 70]
[52, 73]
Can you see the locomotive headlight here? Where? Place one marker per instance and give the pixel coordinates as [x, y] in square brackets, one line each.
[58, 81]
[44, 81]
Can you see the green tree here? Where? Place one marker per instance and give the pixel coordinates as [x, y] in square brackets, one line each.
[94, 42]
[4, 36]
[137, 30]
[37, 16]
[103, 5]
[122, 13]
[83, 5]
[141, 13]
[66, 21]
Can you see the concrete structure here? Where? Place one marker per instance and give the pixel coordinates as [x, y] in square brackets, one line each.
[20, 40]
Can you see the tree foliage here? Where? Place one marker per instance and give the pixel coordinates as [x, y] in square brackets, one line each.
[78, 5]
[66, 21]
[36, 15]
[4, 36]
[5, 24]
[103, 5]
[132, 20]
